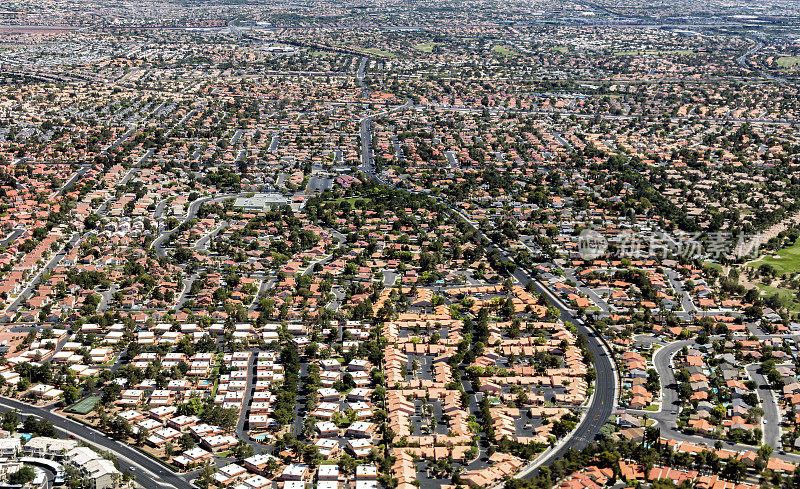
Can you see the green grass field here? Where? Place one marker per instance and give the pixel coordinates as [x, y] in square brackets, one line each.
[378, 52]
[425, 48]
[352, 201]
[788, 61]
[85, 405]
[786, 260]
[652, 52]
[504, 51]
[787, 297]
[715, 266]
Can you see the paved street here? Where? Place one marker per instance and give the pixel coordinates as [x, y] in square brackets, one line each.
[604, 399]
[606, 385]
[670, 407]
[669, 395]
[12, 236]
[771, 419]
[202, 243]
[149, 473]
[677, 285]
[194, 207]
[596, 299]
[26, 292]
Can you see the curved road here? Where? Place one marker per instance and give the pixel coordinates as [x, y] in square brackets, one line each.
[604, 400]
[12, 236]
[605, 397]
[669, 394]
[670, 406]
[149, 472]
[194, 207]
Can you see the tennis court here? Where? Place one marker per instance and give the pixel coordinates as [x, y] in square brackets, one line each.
[85, 405]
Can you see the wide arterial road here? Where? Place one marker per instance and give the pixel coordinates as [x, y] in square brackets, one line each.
[603, 402]
[605, 393]
[149, 472]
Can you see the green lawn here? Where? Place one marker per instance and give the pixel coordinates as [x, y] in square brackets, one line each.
[504, 51]
[378, 52]
[652, 52]
[788, 61]
[787, 297]
[711, 264]
[786, 260]
[425, 47]
[352, 201]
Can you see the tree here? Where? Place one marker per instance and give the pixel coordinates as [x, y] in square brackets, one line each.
[243, 450]
[652, 384]
[10, 421]
[734, 470]
[23, 476]
[347, 464]
[111, 393]
[75, 479]
[42, 428]
[186, 442]
[311, 455]
[204, 477]
[70, 395]
[216, 415]
[141, 436]
[120, 428]
[753, 311]
[272, 466]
